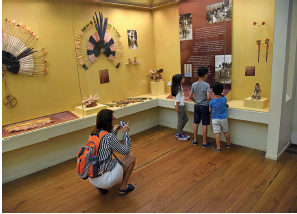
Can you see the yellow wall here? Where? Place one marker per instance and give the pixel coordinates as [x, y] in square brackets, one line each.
[57, 24]
[166, 25]
[245, 49]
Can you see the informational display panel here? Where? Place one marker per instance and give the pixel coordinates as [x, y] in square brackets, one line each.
[205, 40]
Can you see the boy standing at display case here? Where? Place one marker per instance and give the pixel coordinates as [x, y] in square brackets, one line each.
[217, 107]
[201, 91]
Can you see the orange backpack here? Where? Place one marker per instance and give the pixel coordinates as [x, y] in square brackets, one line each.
[87, 158]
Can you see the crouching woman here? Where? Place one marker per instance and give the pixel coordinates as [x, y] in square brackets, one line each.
[113, 169]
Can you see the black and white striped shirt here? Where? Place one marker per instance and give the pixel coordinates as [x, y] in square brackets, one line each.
[109, 143]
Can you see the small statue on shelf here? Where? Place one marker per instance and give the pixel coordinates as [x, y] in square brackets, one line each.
[91, 102]
[135, 61]
[130, 61]
[257, 92]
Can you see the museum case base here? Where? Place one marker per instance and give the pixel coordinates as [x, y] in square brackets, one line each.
[157, 88]
[86, 111]
[261, 103]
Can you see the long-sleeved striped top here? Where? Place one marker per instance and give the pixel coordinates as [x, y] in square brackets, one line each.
[110, 143]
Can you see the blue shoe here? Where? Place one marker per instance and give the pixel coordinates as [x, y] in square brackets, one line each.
[194, 143]
[207, 145]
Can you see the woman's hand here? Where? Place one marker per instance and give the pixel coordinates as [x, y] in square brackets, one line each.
[116, 128]
[126, 127]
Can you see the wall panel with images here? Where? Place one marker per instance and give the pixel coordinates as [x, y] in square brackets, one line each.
[233, 39]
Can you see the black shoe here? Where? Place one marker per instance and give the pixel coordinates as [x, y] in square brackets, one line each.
[216, 149]
[103, 191]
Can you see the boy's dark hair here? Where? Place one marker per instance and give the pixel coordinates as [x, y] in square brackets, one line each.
[202, 71]
[175, 84]
[218, 88]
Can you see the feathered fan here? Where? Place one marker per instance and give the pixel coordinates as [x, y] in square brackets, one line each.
[98, 37]
[18, 57]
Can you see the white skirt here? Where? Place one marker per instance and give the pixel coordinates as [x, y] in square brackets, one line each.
[109, 178]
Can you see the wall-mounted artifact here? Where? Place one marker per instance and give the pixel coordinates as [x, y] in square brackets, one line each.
[156, 76]
[255, 23]
[264, 23]
[104, 76]
[249, 70]
[267, 47]
[257, 92]
[18, 57]
[258, 43]
[98, 37]
[90, 102]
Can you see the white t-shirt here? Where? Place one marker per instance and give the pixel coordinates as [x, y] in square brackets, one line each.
[180, 97]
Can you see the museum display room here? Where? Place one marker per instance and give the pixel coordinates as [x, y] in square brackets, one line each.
[63, 61]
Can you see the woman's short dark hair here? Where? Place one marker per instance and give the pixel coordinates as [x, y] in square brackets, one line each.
[217, 88]
[103, 121]
[202, 71]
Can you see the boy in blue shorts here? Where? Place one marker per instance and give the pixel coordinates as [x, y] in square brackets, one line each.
[217, 107]
[201, 91]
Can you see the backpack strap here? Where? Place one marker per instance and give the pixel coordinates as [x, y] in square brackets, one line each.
[101, 134]
[120, 162]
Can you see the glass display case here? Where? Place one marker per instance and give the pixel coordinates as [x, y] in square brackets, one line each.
[94, 55]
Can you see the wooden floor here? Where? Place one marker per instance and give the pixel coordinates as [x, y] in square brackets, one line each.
[170, 176]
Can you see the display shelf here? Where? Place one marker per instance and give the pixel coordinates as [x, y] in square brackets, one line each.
[38, 135]
[235, 110]
[42, 134]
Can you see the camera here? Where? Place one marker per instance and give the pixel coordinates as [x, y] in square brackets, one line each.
[122, 123]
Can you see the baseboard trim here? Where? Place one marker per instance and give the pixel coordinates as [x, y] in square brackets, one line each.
[283, 151]
[24, 173]
[271, 157]
[294, 137]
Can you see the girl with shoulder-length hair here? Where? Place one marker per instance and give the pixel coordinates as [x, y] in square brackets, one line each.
[182, 118]
[113, 170]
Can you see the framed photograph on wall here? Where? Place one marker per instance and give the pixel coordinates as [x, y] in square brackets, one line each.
[188, 70]
[185, 27]
[132, 39]
[219, 12]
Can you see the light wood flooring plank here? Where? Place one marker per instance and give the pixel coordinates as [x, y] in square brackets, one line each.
[170, 176]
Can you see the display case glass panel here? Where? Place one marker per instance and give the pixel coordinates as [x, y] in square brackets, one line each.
[83, 64]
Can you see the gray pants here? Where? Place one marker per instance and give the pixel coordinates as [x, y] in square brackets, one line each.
[182, 119]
